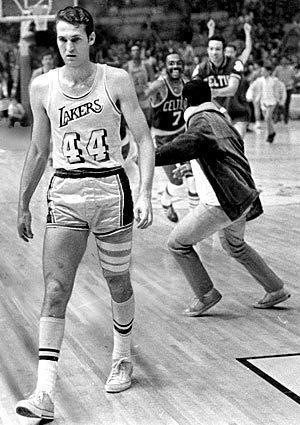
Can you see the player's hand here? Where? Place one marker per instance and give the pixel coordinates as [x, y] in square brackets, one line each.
[211, 24]
[181, 169]
[143, 211]
[247, 27]
[24, 226]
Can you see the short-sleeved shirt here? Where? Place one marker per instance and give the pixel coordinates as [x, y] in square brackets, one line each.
[218, 77]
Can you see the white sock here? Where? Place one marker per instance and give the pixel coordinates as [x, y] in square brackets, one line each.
[123, 316]
[50, 340]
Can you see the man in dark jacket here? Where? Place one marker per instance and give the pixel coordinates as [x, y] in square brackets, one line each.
[228, 199]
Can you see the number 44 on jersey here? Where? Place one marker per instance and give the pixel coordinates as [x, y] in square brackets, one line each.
[76, 151]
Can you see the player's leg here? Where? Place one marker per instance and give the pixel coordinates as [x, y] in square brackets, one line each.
[171, 186]
[257, 114]
[287, 105]
[169, 192]
[115, 255]
[112, 226]
[199, 224]
[270, 123]
[191, 186]
[232, 240]
[63, 250]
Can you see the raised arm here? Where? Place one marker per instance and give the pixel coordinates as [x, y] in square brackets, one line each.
[211, 25]
[244, 56]
[123, 90]
[37, 155]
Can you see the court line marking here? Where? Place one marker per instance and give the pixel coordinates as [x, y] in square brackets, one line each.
[245, 361]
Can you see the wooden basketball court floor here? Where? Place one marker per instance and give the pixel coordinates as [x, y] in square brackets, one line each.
[234, 366]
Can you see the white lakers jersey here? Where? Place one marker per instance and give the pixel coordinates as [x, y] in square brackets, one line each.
[85, 130]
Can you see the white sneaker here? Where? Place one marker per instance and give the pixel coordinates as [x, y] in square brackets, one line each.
[120, 376]
[38, 405]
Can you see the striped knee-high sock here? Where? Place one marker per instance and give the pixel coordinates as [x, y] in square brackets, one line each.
[50, 340]
[123, 316]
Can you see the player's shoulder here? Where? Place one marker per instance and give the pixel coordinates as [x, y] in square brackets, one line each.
[204, 63]
[41, 82]
[235, 64]
[160, 81]
[37, 72]
[117, 73]
[203, 68]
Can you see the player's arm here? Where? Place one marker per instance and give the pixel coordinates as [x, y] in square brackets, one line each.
[230, 90]
[211, 25]
[244, 56]
[136, 121]
[196, 141]
[233, 83]
[153, 88]
[37, 156]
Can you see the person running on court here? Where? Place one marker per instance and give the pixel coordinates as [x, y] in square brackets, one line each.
[228, 198]
[80, 107]
[167, 122]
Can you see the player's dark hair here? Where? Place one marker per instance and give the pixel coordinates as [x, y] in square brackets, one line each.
[217, 38]
[196, 92]
[47, 52]
[76, 16]
[173, 53]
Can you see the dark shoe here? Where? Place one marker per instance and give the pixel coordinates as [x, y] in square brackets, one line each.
[270, 138]
[198, 306]
[171, 213]
[273, 298]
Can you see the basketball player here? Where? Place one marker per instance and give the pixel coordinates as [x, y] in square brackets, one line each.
[228, 199]
[141, 74]
[223, 75]
[230, 49]
[167, 122]
[80, 106]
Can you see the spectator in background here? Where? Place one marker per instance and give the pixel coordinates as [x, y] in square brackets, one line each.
[151, 60]
[286, 73]
[4, 94]
[16, 113]
[269, 92]
[141, 74]
[47, 61]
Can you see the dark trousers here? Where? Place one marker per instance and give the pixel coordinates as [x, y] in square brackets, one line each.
[287, 105]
